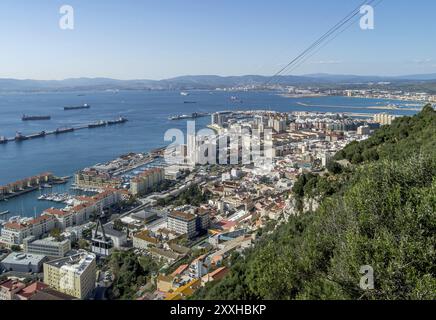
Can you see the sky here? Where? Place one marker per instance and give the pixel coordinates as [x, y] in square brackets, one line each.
[158, 39]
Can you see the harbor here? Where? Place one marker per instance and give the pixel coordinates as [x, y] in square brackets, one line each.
[20, 187]
[66, 154]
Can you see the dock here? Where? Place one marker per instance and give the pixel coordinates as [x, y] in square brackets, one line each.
[20, 137]
[29, 184]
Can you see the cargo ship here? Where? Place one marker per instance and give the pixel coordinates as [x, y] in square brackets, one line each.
[63, 130]
[117, 121]
[193, 115]
[84, 106]
[36, 135]
[32, 118]
[97, 124]
[20, 137]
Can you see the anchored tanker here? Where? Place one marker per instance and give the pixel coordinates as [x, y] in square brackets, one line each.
[84, 106]
[63, 130]
[117, 121]
[31, 118]
[97, 124]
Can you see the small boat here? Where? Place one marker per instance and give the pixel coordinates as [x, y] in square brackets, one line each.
[4, 213]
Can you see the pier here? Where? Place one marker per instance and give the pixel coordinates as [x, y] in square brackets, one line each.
[20, 137]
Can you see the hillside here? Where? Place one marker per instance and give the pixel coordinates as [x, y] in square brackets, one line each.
[425, 82]
[380, 212]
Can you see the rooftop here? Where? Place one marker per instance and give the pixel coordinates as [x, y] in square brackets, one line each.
[181, 215]
[77, 263]
[19, 258]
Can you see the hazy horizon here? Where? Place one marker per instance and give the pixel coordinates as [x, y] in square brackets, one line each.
[160, 40]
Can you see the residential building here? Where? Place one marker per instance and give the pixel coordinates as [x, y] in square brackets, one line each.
[143, 240]
[64, 219]
[8, 288]
[47, 246]
[13, 233]
[74, 275]
[41, 291]
[183, 223]
[384, 118]
[217, 274]
[92, 178]
[363, 130]
[146, 181]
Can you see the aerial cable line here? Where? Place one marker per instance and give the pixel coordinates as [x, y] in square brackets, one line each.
[298, 64]
[325, 36]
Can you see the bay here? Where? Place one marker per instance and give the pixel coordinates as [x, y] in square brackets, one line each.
[147, 112]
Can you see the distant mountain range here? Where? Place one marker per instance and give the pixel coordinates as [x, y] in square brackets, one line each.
[198, 82]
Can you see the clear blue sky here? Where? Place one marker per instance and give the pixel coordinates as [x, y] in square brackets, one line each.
[131, 39]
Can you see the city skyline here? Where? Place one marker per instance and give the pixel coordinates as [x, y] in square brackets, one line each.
[145, 40]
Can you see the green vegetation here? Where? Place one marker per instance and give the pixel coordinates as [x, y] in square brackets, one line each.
[118, 225]
[406, 136]
[56, 233]
[130, 272]
[193, 196]
[15, 248]
[163, 186]
[83, 244]
[380, 212]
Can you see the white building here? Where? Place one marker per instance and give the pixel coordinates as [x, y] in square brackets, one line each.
[74, 275]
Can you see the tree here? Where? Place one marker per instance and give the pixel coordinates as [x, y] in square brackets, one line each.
[83, 244]
[15, 248]
[56, 233]
[334, 167]
[118, 225]
[379, 213]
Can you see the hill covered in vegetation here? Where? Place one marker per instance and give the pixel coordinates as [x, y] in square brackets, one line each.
[378, 212]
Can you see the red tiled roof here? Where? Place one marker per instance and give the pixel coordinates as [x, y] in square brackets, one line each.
[32, 289]
[12, 285]
[180, 270]
[56, 212]
[40, 219]
[15, 225]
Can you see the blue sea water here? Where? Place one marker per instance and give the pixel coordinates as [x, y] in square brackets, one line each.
[148, 113]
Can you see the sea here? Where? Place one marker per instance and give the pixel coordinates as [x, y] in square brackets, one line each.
[147, 112]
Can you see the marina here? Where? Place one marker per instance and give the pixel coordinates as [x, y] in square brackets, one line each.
[3, 213]
[20, 187]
